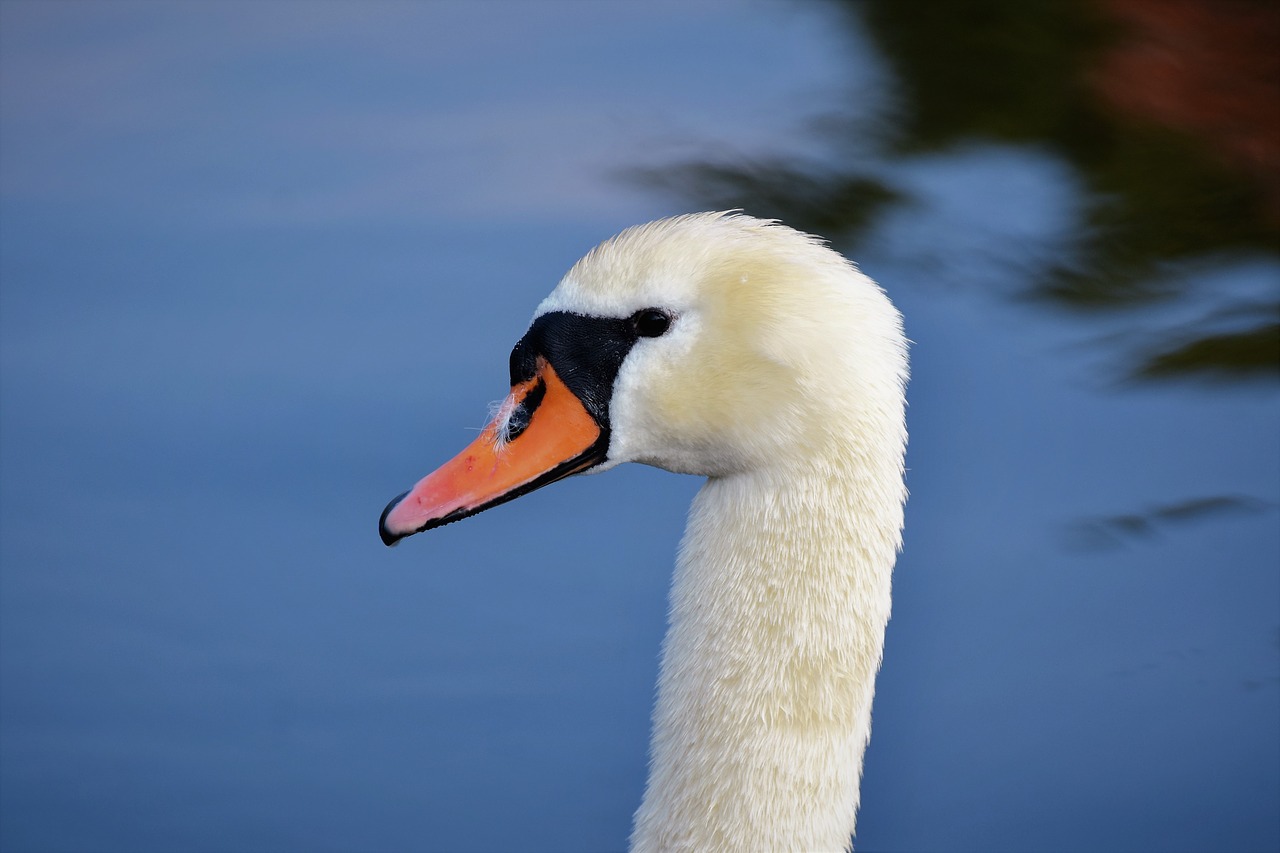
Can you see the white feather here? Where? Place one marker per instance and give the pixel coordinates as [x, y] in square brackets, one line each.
[782, 380]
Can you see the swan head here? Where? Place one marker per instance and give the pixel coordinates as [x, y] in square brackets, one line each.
[709, 344]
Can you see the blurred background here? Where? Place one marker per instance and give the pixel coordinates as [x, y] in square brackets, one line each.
[261, 266]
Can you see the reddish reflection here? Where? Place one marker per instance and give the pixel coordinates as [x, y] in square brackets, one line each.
[1209, 68]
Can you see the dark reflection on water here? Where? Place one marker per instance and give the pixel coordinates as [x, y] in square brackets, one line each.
[1115, 531]
[1166, 112]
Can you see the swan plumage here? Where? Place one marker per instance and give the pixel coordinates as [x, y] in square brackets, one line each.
[749, 353]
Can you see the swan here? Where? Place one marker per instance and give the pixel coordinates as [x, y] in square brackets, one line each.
[751, 354]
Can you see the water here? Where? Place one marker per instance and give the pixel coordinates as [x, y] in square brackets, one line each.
[261, 266]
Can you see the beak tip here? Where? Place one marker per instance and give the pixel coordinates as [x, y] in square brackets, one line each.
[388, 536]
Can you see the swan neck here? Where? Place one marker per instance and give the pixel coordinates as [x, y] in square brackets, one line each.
[778, 609]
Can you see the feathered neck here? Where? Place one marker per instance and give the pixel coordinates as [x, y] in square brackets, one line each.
[778, 609]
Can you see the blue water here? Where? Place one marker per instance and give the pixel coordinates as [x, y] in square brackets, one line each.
[260, 269]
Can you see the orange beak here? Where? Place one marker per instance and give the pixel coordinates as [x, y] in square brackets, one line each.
[541, 434]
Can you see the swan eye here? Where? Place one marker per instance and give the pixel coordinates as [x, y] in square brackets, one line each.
[651, 323]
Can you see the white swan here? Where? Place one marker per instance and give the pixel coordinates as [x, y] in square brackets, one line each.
[749, 353]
